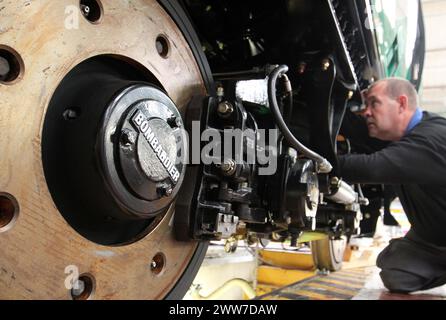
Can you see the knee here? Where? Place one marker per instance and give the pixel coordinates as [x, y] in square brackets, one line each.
[400, 281]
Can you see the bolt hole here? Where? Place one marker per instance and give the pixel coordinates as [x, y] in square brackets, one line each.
[162, 46]
[9, 211]
[71, 114]
[11, 65]
[84, 288]
[91, 10]
[158, 263]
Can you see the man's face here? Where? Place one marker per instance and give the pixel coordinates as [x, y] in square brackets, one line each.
[381, 113]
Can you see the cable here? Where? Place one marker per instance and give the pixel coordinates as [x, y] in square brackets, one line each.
[323, 165]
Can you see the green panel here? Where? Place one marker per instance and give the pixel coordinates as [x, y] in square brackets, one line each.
[396, 22]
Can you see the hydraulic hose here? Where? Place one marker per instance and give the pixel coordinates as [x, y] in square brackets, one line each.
[323, 165]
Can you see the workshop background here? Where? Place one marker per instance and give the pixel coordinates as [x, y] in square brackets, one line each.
[268, 275]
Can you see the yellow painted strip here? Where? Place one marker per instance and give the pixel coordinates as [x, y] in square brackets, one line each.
[333, 289]
[281, 277]
[285, 259]
[351, 272]
[346, 283]
[313, 295]
[347, 276]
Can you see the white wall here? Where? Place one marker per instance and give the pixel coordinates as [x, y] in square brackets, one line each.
[433, 95]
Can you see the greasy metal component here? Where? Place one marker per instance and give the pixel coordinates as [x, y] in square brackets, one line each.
[328, 253]
[343, 194]
[225, 109]
[231, 244]
[41, 239]
[228, 167]
[226, 225]
[328, 96]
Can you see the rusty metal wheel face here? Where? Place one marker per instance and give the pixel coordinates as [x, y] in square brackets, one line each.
[78, 80]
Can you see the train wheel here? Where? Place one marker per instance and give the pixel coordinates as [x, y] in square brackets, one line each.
[78, 197]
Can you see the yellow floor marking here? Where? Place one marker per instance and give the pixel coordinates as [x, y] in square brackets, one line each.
[347, 284]
[314, 295]
[333, 289]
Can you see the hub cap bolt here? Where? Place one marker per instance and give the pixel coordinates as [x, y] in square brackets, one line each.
[174, 122]
[128, 137]
[165, 190]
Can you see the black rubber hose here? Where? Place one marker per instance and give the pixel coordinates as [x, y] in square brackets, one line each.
[323, 165]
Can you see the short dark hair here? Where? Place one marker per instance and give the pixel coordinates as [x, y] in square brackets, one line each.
[398, 86]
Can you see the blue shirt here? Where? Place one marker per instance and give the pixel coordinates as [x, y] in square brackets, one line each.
[416, 118]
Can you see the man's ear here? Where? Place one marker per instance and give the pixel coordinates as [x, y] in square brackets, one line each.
[403, 103]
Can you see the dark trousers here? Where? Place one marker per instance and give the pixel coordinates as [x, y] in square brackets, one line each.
[410, 264]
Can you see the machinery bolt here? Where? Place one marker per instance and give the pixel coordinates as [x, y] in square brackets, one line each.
[228, 167]
[350, 95]
[335, 181]
[325, 64]
[165, 190]
[71, 114]
[128, 137]
[85, 10]
[220, 92]
[225, 109]
[174, 122]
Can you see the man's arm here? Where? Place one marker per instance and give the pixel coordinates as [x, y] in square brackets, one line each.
[414, 159]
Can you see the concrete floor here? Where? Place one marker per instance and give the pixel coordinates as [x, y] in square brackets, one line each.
[357, 280]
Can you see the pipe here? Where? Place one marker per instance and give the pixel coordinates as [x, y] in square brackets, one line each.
[243, 284]
[345, 194]
[323, 165]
